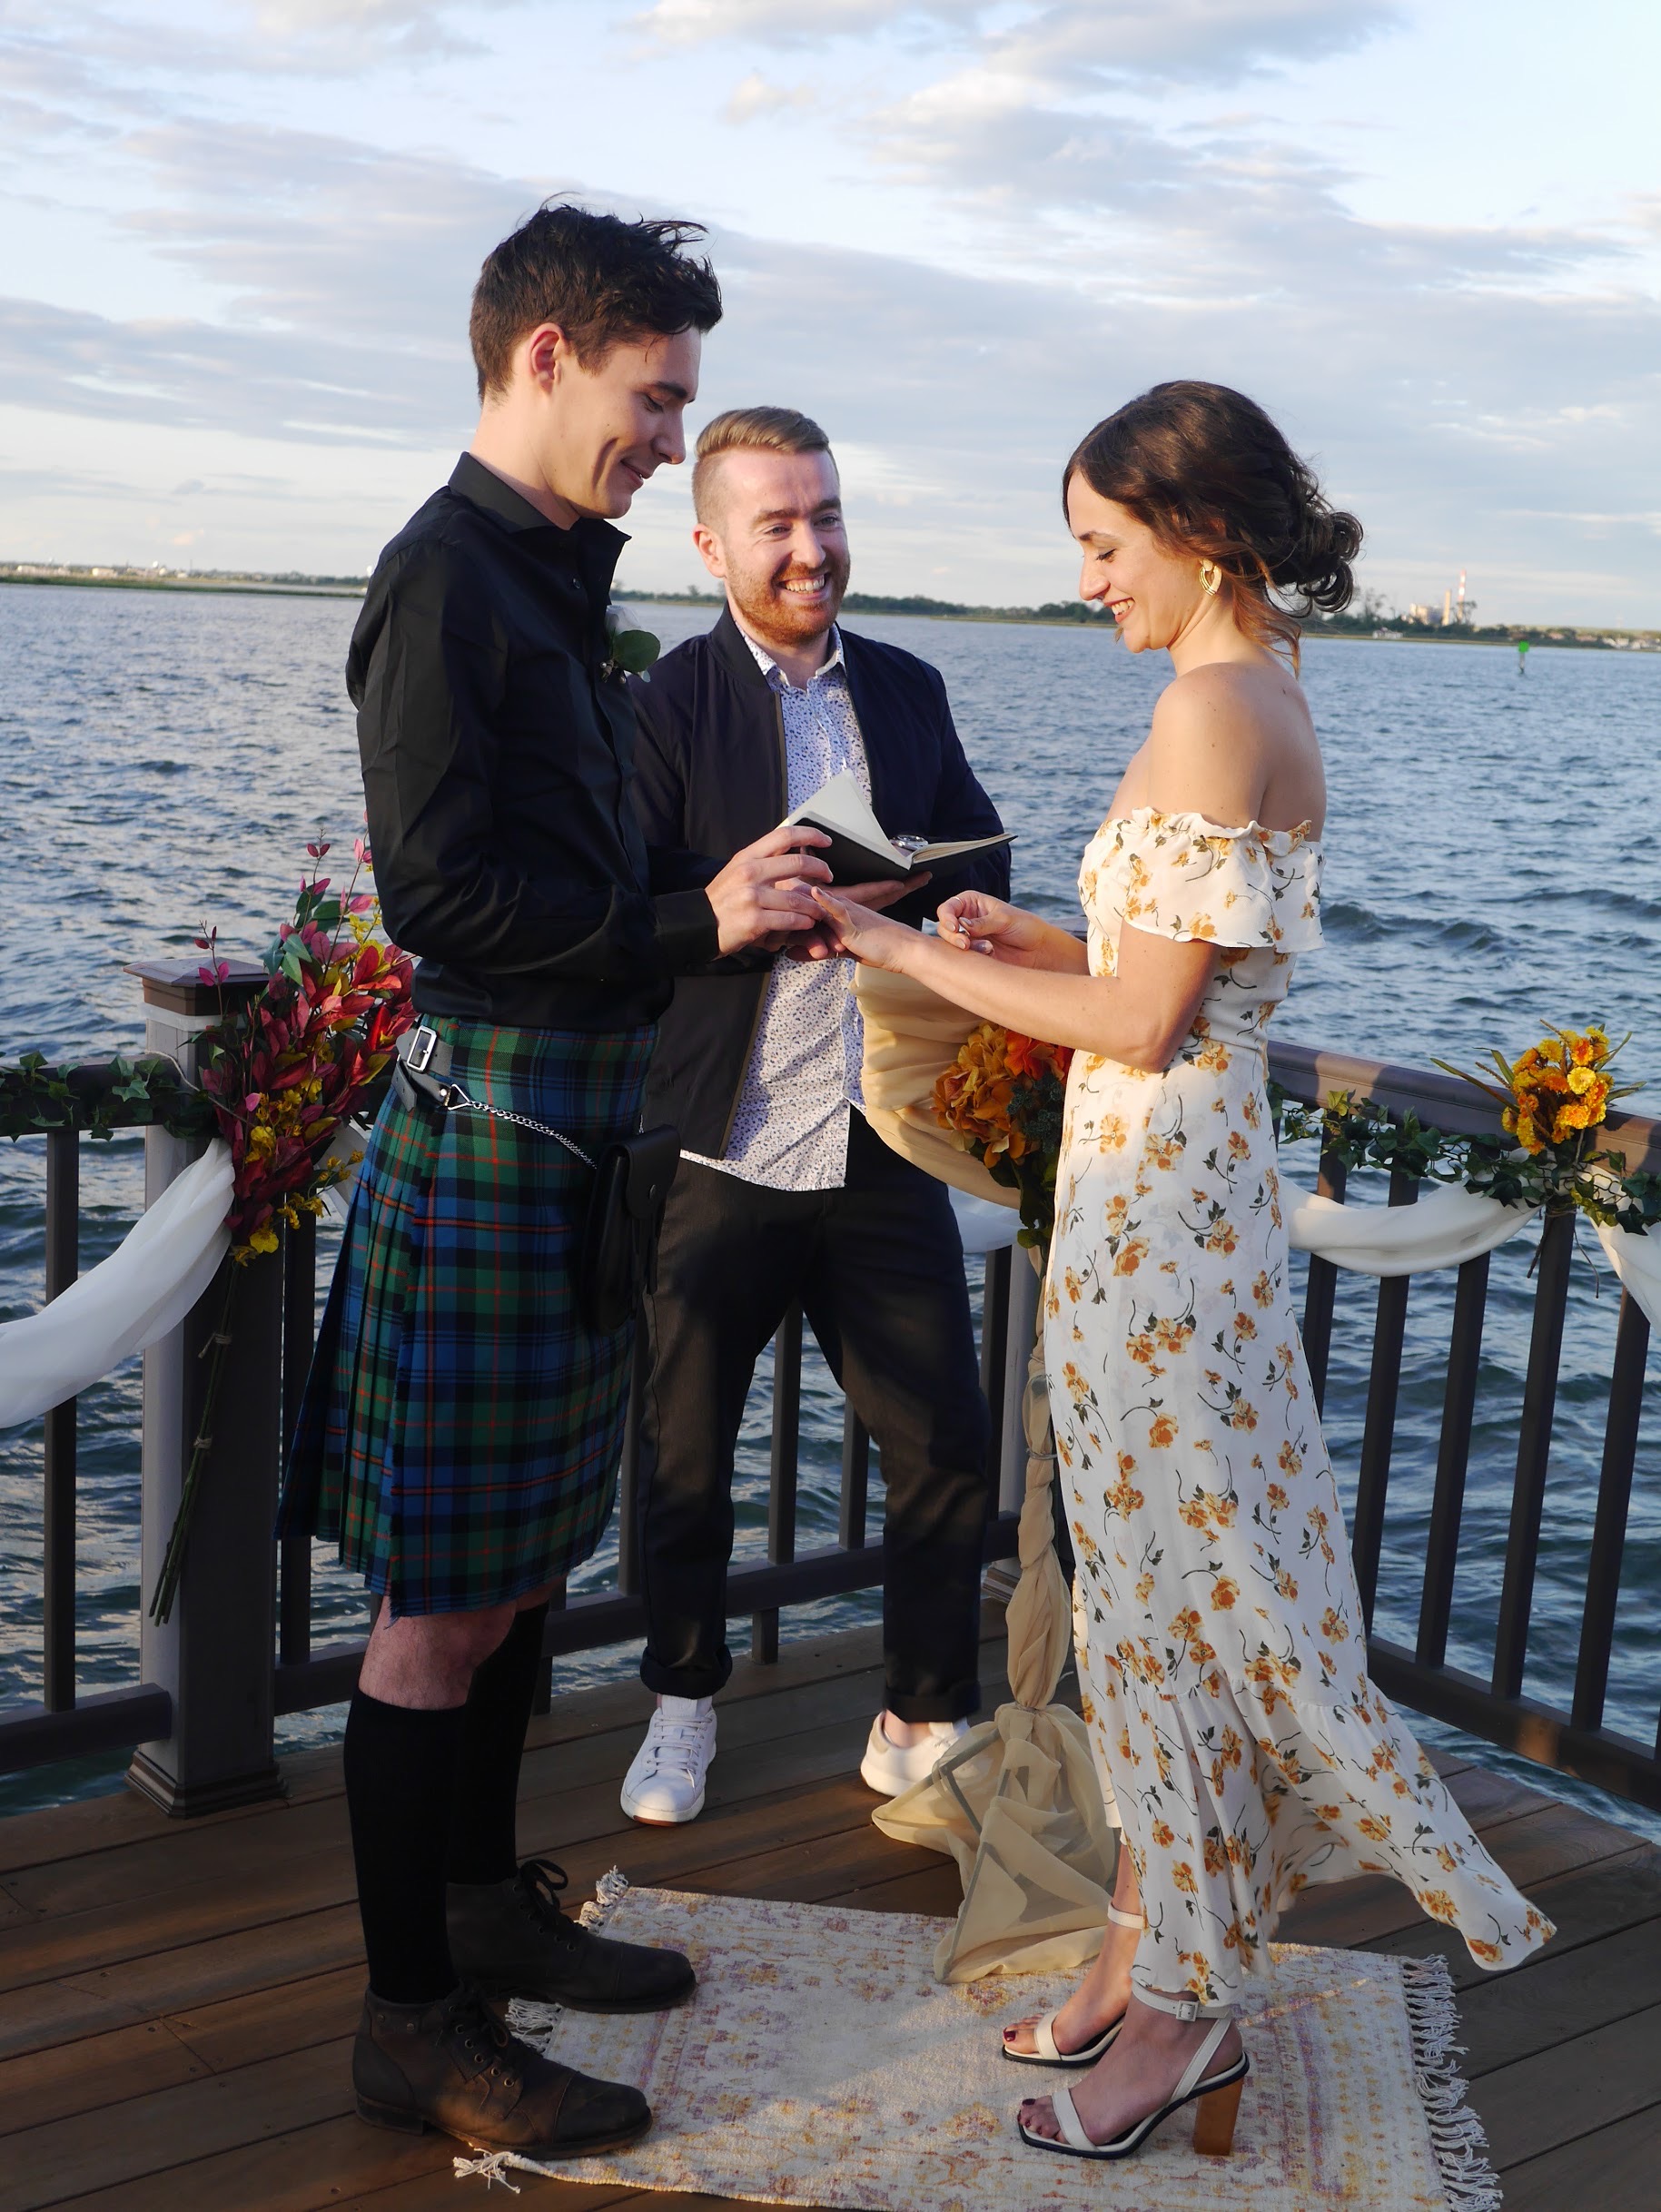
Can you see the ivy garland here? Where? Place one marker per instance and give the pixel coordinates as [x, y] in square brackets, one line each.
[1360, 1133]
[99, 1098]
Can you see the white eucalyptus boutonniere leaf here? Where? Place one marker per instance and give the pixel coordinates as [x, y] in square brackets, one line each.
[633, 650]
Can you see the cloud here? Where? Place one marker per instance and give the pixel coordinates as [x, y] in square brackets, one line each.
[1483, 396]
[307, 232]
[1222, 214]
[204, 376]
[1451, 391]
[754, 95]
[1180, 41]
[99, 52]
[785, 22]
[1198, 41]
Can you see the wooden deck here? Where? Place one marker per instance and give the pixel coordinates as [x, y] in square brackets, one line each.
[180, 1996]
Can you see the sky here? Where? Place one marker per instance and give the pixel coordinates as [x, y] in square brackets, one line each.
[238, 242]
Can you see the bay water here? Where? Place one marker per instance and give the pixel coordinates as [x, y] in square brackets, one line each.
[1492, 869]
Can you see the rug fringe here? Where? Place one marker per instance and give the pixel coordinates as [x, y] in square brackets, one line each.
[528, 2018]
[607, 1890]
[492, 2166]
[1457, 2135]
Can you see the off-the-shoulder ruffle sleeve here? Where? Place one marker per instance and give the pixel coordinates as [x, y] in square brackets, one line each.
[1183, 877]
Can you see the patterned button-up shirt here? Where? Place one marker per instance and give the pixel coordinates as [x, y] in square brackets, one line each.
[790, 1131]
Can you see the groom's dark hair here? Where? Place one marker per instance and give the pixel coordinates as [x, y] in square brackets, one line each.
[603, 280]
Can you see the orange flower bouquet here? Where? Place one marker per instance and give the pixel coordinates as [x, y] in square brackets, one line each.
[1552, 1099]
[1002, 1098]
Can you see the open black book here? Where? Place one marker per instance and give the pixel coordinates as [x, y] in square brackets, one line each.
[860, 851]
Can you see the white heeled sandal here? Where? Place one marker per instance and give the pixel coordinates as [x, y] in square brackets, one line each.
[1218, 2096]
[1043, 2030]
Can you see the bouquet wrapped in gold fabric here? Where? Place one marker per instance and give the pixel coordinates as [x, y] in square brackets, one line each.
[1002, 1098]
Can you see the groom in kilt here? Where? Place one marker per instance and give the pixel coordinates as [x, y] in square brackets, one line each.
[461, 1428]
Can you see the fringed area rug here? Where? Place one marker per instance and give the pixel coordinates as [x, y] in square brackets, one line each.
[821, 2063]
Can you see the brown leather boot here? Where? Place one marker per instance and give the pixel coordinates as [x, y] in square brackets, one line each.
[513, 1939]
[453, 2065]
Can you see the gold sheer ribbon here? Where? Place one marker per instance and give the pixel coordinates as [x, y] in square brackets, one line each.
[1017, 1803]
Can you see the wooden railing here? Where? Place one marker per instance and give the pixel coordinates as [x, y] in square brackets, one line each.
[240, 1650]
[1419, 1676]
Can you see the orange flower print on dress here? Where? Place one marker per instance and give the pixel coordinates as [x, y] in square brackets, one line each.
[1233, 1722]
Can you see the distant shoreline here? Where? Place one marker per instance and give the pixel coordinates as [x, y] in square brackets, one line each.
[1362, 631]
[1050, 616]
[250, 586]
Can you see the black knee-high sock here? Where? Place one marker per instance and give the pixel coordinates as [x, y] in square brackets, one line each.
[482, 1842]
[400, 1792]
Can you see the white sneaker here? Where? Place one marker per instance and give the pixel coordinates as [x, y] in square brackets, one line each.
[665, 1784]
[890, 1771]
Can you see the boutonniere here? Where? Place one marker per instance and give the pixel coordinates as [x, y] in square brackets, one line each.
[633, 650]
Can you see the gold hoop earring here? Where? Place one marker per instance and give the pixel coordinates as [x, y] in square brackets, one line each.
[1211, 579]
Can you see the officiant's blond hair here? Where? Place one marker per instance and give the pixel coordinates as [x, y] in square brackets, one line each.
[751, 430]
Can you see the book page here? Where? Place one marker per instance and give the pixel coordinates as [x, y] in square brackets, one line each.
[841, 804]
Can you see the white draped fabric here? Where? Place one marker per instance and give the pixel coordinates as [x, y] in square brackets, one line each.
[146, 1286]
[153, 1279]
[1446, 1228]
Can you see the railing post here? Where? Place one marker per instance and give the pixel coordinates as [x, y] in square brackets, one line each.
[215, 1655]
[1452, 1461]
[1008, 1316]
[1603, 1573]
[1378, 1438]
[1320, 1290]
[299, 1336]
[58, 1470]
[855, 1482]
[1556, 1252]
[628, 1472]
[782, 1476]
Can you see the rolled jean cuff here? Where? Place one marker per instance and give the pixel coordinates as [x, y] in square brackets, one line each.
[685, 1680]
[951, 1705]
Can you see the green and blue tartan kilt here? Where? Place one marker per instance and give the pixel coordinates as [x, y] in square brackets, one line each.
[461, 1430]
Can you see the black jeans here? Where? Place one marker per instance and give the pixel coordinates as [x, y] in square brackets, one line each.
[878, 1268]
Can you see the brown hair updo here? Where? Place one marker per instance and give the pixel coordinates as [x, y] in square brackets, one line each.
[1207, 471]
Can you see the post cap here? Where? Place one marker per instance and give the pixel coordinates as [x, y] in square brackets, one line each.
[176, 986]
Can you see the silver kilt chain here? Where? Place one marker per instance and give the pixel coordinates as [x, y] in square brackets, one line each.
[458, 1102]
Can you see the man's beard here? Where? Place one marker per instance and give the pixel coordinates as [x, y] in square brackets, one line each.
[767, 611]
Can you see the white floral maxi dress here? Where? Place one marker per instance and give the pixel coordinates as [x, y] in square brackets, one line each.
[1219, 1638]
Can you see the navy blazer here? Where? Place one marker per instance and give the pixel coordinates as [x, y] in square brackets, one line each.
[710, 776]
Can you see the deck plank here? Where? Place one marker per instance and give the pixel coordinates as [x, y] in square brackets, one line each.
[195, 1985]
[1614, 2167]
[1570, 2091]
[1555, 2001]
[1595, 1902]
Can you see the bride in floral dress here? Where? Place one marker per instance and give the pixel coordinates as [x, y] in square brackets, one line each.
[1221, 1644]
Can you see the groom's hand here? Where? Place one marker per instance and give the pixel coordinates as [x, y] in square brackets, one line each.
[762, 896]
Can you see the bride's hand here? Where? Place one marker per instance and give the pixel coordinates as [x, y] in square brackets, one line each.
[973, 923]
[863, 935]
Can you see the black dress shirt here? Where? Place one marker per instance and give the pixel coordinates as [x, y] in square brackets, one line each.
[497, 759]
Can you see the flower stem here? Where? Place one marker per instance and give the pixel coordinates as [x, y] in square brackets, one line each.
[172, 1560]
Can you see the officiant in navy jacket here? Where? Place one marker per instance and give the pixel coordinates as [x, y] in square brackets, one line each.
[785, 1193]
